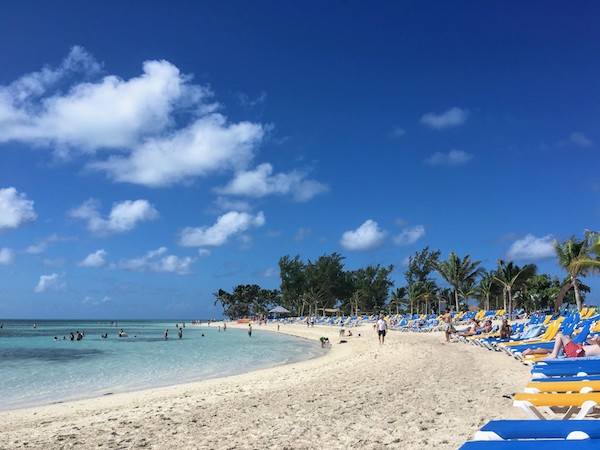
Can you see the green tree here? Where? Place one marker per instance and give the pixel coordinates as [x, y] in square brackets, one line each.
[373, 283]
[574, 256]
[541, 291]
[512, 277]
[457, 271]
[397, 298]
[591, 264]
[293, 282]
[327, 276]
[467, 289]
[420, 266]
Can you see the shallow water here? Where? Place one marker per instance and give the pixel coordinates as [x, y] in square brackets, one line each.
[35, 369]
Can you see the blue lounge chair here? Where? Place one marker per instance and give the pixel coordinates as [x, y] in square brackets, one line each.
[539, 444]
[539, 429]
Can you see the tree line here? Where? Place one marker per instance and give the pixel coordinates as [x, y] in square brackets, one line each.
[324, 286]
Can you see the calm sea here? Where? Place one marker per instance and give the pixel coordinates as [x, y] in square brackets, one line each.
[35, 369]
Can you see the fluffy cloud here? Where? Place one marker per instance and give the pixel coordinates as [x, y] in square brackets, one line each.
[531, 247]
[160, 128]
[208, 145]
[123, 217]
[227, 225]
[7, 256]
[261, 182]
[157, 261]
[365, 237]
[411, 235]
[452, 158]
[96, 259]
[451, 118]
[15, 209]
[52, 282]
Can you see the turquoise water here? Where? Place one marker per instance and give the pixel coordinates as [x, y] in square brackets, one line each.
[35, 369]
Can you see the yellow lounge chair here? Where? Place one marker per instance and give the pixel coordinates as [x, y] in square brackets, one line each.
[533, 404]
[584, 386]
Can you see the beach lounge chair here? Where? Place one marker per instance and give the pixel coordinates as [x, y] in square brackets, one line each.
[540, 444]
[498, 430]
[533, 404]
[561, 385]
[566, 367]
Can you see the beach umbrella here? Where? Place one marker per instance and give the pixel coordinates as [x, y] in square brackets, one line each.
[279, 310]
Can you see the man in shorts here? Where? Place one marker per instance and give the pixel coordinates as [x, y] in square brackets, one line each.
[448, 327]
[382, 327]
[570, 348]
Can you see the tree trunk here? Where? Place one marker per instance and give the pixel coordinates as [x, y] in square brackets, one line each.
[575, 283]
[456, 298]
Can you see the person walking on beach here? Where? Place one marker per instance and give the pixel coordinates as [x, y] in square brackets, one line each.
[250, 329]
[382, 327]
[448, 328]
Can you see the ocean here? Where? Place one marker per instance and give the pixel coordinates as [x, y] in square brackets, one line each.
[36, 369]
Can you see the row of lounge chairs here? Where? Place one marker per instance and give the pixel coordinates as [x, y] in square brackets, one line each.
[566, 388]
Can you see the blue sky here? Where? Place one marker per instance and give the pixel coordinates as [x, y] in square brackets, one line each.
[154, 152]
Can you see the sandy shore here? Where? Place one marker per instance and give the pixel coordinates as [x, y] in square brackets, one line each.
[414, 392]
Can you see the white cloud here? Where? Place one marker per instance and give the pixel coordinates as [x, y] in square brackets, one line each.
[451, 118]
[42, 245]
[107, 113]
[156, 128]
[96, 259]
[209, 144]
[452, 158]
[7, 256]
[227, 225]
[52, 282]
[203, 252]
[123, 217]
[531, 247]
[581, 140]
[15, 209]
[365, 237]
[226, 204]
[409, 236]
[261, 182]
[157, 261]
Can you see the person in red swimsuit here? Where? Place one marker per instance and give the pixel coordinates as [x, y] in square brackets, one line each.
[570, 348]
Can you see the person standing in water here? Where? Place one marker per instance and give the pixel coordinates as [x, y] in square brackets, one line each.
[250, 329]
[180, 332]
[166, 334]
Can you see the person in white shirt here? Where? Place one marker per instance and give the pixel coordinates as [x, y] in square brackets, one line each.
[382, 327]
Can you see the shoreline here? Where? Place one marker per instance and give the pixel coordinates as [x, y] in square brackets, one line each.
[414, 391]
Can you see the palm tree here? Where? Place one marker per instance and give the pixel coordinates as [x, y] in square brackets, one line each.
[397, 297]
[467, 289]
[590, 264]
[456, 271]
[428, 292]
[484, 289]
[511, 277]
[574, 256]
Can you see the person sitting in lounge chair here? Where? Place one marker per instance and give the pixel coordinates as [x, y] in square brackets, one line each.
[570, 348]
[505, 329]
[472, 330]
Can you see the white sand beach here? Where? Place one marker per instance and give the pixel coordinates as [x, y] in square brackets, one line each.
[414, 392]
